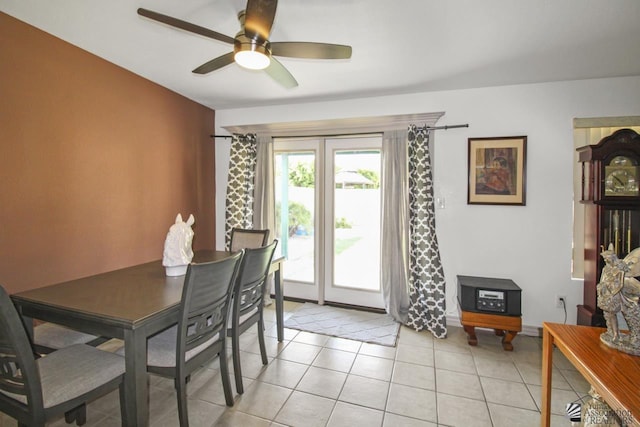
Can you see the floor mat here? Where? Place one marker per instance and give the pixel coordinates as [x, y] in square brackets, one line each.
[345, 323]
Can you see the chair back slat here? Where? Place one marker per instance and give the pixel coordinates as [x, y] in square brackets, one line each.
[11, 379]
[204, 324]
[252, 277]
[18, 372]
[205, 301]
[242, 238]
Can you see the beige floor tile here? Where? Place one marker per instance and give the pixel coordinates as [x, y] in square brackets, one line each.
[322, 382]
[348, 415]
[289, 334]
[343, 344]
[520, 355]
[160, 403]
[455, 361]
[311, 338]
[365, 392]
[506, 416]
[109, 404]
[458, 384]
[336, 360]
[458, 411]
[300, 352]
[507, 393]
[283, 373]
[233, 418]
[372, 367]
[412, 402]
[248, 337]
[456, 342]
[414, 375]
[378, 350]
[493, 352]
[395, 420]
[502, 369]
[305, 410]
[201, 413]
[250, 365]
[409, 336]
[105, 422]
[417, 355]
[263, 400]
[208, 387]
[445, 345]
[271, 343]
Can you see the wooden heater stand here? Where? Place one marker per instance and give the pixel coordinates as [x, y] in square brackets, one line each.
[506, 327]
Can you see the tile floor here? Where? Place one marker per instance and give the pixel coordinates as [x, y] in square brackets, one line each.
[315, 380]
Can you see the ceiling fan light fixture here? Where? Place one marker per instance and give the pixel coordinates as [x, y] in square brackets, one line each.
[252, 59]
[252, 54]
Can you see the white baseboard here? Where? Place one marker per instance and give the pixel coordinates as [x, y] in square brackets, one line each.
[529, 330]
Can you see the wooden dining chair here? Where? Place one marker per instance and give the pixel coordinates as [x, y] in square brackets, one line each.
[247, 306]
[200, 333]
[35, 391]
[242, 238]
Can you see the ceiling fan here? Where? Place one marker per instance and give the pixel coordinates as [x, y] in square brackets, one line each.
[251, 46]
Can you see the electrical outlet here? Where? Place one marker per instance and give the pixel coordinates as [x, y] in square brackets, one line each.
[559, 301]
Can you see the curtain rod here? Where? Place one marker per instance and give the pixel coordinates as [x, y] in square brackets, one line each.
[466, 125]
[425, 127]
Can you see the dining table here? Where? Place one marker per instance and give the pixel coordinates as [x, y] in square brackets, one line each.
[130, 304]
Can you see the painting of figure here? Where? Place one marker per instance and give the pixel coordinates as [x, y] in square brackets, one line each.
[497, 171]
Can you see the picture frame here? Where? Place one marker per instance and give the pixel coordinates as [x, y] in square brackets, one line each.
[496, 171]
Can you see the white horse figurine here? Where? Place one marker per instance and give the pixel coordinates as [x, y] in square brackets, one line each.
[177, 247]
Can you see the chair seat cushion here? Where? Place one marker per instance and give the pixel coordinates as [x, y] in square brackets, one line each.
[73, 371]
[161, 348]
[56, 336]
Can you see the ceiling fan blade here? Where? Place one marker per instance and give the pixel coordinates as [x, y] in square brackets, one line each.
[215, 64]
[279, 73]
[259, 16]
[183, 25]
[311, 50]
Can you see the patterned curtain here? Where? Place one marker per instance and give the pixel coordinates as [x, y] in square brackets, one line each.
[426, 279]
[242, 170]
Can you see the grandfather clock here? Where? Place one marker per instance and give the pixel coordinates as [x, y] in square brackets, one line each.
[611, 197]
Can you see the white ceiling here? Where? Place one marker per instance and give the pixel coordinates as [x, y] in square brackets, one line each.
[399, 46]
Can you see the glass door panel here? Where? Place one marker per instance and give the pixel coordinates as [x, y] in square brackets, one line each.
[352, 170]
[296, 202]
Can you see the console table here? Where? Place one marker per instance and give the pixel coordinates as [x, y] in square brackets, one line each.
[613, 374]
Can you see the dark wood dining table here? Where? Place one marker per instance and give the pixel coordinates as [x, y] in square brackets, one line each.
[131, 304]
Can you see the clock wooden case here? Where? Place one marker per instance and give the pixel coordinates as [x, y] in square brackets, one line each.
[611, 197]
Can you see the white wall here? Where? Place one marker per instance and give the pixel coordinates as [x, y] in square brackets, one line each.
[529, 244]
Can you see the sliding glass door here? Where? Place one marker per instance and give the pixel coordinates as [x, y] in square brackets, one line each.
[328, 218]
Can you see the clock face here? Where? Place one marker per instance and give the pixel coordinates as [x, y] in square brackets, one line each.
[621, 178]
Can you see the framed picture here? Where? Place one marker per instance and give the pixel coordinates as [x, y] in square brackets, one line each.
[497, 171]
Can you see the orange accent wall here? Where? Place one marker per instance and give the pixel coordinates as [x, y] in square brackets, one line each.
[95, 164]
